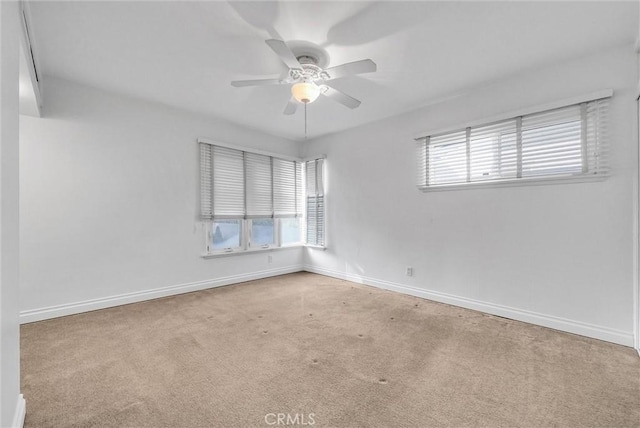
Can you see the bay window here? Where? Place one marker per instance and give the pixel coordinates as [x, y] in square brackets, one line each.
[249, 201]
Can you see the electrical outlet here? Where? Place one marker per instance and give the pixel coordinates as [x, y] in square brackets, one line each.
[409, 271]
[269, 259]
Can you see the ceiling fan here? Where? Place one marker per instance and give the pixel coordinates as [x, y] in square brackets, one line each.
[308, 77]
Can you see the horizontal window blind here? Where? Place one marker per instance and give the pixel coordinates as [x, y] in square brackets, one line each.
[300, 191]
[310, 176]
[560, 143]
[597, 146]
[239, 184]
[228, 183]
[448, 158]
[493, 152]
[287, 188]
[551, 142]
[315, 220]
[206, 182]
[259, 189]
[315, 224]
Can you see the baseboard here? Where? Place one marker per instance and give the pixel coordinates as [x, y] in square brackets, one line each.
[32, 315]
[557, 323]
[20, 413]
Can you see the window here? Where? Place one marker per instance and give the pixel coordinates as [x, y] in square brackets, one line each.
[290, 232]
[314, 174]
[226, 234]
[249, 200]
[566, 142]
[262, 233]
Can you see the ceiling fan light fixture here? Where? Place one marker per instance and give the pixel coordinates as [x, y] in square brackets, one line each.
[305, 92]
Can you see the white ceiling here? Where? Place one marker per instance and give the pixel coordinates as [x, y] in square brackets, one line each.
[184, 54]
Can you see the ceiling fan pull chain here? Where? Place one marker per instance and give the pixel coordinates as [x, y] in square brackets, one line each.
[305, 121]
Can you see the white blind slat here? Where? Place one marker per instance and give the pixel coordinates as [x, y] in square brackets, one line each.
[320, 177]
[286, 188]
[299, 191]
[228, 183]
[259, 187]
[448, 158]
[310, 177]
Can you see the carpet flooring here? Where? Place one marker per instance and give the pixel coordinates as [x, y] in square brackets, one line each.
[308, 350]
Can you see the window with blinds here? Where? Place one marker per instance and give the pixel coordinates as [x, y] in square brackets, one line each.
[245, 198]
[567, 142]
[315, 224]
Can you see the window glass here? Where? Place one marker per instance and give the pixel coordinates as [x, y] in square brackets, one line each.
[290, 231]
[262, 232]
[225, 234]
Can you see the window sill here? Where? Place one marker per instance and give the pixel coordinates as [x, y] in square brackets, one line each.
[317, 247]
[516, 182]
[251, 251]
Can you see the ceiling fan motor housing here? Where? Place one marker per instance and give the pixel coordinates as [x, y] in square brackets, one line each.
[309, 73]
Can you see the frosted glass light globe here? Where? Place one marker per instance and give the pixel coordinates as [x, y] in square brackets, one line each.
[305, 92]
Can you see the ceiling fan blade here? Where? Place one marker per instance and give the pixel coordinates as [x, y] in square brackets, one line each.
[284, 53]
[259, 82]
[340, 97]
[350, 68]
[291, 107]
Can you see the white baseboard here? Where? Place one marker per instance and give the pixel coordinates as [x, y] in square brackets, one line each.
[32, 315]
[557, 323]
[20, 413]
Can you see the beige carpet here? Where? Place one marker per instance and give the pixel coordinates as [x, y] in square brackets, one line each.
[324, 353]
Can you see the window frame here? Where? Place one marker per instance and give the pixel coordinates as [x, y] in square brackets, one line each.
[583, 176]
[245, 248]
[275, 228]
[209, 232]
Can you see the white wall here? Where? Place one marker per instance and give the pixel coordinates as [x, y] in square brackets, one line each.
[11, 402]
[558, 255]
[108, 204]
[636, 204]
